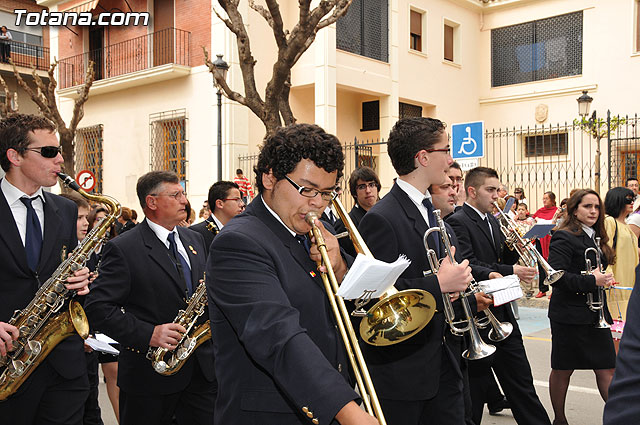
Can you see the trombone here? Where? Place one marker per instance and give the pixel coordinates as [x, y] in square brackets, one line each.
[397, 316]
[478, 349]
[596, 305]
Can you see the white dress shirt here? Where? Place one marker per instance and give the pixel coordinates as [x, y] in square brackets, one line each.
[163, 235]
[19, 210]
[416, 197]
[216, 221]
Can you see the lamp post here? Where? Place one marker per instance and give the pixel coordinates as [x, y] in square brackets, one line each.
[591, 125]
[222, 67]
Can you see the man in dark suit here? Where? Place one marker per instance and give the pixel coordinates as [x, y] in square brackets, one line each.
[145, 276]
[430, 390]
[279, 356]
[226, 202]
[38, 229]
[622, 407]
[482, 242]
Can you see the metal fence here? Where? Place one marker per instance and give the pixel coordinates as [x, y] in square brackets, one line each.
[168, 143]
[170, 45]
[88, 151]
[623, 150]
[25, 54]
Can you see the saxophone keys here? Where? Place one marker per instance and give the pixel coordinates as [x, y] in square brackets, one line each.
[33, 348]
[160, 366]
[15, 368]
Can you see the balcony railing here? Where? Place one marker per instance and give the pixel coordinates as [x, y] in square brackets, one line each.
[168, 46]
[25, 54]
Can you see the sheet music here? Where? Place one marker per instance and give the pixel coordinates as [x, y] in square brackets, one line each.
[370, 275]
[503, 290]
[101, 346]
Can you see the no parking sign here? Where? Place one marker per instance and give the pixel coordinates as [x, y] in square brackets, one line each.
[86, 180]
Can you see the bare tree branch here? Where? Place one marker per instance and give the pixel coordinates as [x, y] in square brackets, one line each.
[262, 11]
[7, 107]
[278, 26]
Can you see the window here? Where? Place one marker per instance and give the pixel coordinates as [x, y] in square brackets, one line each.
[451, 37]
[415, 30]
[546, 144]
[371, 115]
[537, 50]
[88, 152]
[364, 29]
[169, 143]
[410, 111]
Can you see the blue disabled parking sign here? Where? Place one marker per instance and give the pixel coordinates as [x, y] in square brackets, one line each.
[467, 140]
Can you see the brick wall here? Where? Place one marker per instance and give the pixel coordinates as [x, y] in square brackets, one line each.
[195, 16]
[29, 5]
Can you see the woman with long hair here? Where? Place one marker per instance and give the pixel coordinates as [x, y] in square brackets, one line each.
[575, 341]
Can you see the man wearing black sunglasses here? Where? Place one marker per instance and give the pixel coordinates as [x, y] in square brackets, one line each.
[37, 229]
[279, 356]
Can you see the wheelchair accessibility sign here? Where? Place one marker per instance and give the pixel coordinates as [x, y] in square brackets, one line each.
[467, 140]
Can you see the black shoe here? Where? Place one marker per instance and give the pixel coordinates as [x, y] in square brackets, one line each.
[498, 406]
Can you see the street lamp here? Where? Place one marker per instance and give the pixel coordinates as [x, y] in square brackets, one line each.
[592, 127]
[584, 103]
[222, 67]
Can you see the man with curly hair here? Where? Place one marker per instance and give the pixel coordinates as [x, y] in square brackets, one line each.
[279, 356]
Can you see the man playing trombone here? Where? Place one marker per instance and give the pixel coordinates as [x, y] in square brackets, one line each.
[418, 380]
[279, 356]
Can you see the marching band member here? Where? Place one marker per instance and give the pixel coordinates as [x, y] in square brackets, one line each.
[482, 242]
[430, 390]
[279, 356]
[576, 342]
[145, 276]
[38, 229]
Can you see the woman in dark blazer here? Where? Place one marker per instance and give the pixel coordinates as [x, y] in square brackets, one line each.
[576, 342]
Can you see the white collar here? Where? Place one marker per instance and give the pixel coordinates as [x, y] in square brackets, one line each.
[215, 220]
[12, 193]
[161, 232]
[277, 217]
[481, 214]
[590, 231]
[412, 192]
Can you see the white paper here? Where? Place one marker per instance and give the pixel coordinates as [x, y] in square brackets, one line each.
[369, 274]
[101, 346]
[503, 290]
[105, 338]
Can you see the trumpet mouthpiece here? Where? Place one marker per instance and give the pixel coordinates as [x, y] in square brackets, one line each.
[310, 217]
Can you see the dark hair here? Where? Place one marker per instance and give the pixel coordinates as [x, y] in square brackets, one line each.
[573, 225]
[408, 137]
[149, 183]
[77, 199]
[521, 190]
[283, 150]
[239, 171]
[125, 214]
[92, 221]
[476, 177]
[615, 201]
[629, 179]
[14, 134]
[564, 201]
[365, 174]
[552, 196]
[456, 166]
[187, 209]
[134, 214]
[219, 190]
[523, 204]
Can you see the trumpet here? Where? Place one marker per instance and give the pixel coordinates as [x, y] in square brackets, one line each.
[596, 305]
[478, 349]
[349, 337]
[528, 253]
[397, 316]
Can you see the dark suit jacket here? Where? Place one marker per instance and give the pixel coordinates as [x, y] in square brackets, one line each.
[138, 288]
[392, 227]
[276, 345]
[356, 215]
[623, 408]
[18, 283]
[569, 302]
[207, 234]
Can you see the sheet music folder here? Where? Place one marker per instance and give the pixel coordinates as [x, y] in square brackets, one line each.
[539, 231]
[370, 276]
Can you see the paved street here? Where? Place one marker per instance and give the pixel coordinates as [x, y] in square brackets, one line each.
[584, 405]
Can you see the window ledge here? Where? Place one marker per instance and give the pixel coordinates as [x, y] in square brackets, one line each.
[133, 79]
[453, 64]
[635, 55]
[418, 53]
[535, 94]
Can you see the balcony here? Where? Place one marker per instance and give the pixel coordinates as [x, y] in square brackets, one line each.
[27, 55]
[148, 58]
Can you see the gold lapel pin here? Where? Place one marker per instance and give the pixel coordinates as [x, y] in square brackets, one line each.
[193, 251]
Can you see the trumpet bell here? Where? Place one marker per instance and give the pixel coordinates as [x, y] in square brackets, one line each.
[397, 317]
[501, 332]
[554, 276]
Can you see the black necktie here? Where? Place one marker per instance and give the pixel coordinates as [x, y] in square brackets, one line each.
[180, 262]
[486, 222]
[435, 241]
[33, 237]
[304, 241]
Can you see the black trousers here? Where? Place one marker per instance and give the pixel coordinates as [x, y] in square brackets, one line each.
[513, 371]
[192, 406]
[46, 398]
[446, 408]
[92, 414]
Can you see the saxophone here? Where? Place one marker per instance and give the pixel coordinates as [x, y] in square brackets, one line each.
[192, 339]
[49, 318]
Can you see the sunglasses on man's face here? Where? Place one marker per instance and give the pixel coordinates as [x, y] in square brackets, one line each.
[46, 151]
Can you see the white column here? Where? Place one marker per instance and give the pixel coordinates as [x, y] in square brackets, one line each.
[325, 79]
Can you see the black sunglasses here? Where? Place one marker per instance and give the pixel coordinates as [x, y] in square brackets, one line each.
[46, 151]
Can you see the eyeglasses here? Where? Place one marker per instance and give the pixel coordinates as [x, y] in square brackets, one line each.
[628, 200]
[238, 200]
[46, 151]
[446, 150]
[369, 185]
[308, 192]
[175, 196]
